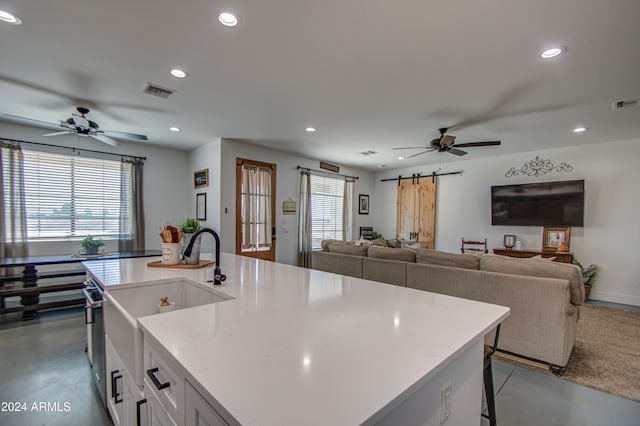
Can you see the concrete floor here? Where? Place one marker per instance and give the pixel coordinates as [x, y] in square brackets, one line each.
[44, 361]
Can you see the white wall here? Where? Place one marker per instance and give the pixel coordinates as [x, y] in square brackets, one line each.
[165, 181]
[287, 186]
[207, 157]
[612, 202]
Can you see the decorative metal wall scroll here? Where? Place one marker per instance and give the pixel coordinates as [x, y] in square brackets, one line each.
[538, 167]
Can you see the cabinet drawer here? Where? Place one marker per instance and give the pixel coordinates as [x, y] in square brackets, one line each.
[166, 381]
[156, 414]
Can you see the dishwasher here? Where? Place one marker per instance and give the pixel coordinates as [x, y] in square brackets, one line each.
[94, 319]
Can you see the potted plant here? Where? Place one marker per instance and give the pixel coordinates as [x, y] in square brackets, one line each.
[188, 227]
[590, 276]
[90, 245]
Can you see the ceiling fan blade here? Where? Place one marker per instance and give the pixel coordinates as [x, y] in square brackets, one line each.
[65, 132]
[105, 139]
[30, 122]
[420, 153]
[123, 135]
[483, 143]
[457, 152]
[411, 147]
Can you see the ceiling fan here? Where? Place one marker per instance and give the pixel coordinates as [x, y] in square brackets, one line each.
[80, 125]
[445, 143]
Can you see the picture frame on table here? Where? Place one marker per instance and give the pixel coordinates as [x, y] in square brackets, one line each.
[201, 178]
[363, 204]
[554, 236]
[201, 206]
[509, 241]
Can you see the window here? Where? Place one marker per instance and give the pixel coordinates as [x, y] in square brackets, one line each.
[327, 196]
[69, 197]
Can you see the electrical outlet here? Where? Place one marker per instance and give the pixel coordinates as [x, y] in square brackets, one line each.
[445, 403]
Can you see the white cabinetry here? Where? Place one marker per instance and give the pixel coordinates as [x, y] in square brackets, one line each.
[125, 401]
[171, 399]
[198, 411]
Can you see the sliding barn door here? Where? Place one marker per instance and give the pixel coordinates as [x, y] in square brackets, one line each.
[416, 210]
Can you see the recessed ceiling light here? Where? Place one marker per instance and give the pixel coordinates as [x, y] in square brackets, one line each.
[400, 158]
[178, 73]
[310, 129]
[580, 129]
[174, 129]
[10, 18]
[228, 19]
[552, 52]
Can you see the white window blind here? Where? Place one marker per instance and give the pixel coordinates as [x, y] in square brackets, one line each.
[70, 196]
[326, 209]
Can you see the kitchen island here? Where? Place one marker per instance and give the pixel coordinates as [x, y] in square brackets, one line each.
[291, 346]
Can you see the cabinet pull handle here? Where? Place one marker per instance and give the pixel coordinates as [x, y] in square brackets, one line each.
[151, 373]
[114, 386]
[86, 315]
[138, 404]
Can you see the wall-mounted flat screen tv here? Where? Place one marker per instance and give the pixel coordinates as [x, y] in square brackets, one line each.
[538, 204]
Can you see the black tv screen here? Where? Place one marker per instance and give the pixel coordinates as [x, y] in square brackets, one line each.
[538, 204]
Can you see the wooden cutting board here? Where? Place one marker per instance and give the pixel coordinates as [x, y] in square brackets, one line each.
[159, 264]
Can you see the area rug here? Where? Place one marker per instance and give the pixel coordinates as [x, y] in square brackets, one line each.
[606, 355]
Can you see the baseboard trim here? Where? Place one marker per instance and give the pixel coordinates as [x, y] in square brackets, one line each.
[624, 299]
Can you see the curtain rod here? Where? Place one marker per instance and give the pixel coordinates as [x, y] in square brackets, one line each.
[75, 149]
[417, 176]
[329, 173]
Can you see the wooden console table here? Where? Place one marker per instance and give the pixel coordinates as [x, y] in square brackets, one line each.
[559, 257]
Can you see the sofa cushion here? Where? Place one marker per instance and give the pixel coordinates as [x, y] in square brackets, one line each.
[325, 244]
[441, 258]
[347, 248]
[538, 268]
[380, 242]
[406, 255]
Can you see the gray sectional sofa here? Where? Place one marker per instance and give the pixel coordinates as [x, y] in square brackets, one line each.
[544, 296]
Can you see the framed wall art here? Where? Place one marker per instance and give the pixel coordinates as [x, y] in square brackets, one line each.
[201, 178]
[363, 204]
[201, 206]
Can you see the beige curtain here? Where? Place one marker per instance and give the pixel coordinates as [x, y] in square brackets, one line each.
[256, 208]
[13, 226]
[131, 194]
[304, 221]
[347, 209]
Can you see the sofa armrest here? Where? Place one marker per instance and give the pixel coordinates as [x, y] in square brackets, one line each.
[542, 321]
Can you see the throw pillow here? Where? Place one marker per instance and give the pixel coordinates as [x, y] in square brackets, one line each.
[381, 242]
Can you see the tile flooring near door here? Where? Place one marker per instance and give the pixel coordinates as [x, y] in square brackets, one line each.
[44, 361]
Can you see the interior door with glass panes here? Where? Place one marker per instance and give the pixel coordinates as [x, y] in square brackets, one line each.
[255, 209]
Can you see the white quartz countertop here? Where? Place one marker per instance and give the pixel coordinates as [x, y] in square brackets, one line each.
[296, 346]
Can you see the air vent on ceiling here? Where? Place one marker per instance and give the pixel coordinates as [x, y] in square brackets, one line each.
[155, 90]
[368, 152]
[626, 103]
